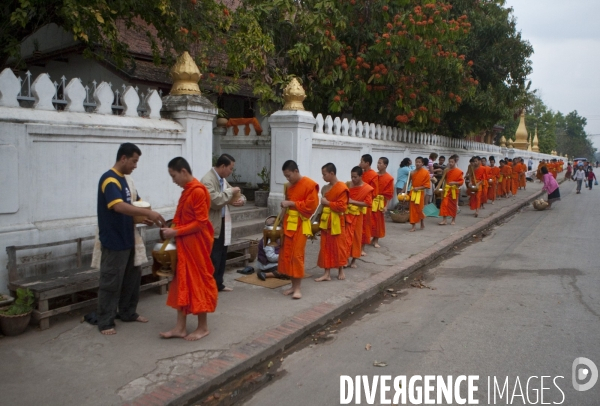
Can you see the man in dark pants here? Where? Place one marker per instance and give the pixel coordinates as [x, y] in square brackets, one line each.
[221, 195]
[119, 286]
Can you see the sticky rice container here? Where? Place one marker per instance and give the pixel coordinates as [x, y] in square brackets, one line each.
[143, 205]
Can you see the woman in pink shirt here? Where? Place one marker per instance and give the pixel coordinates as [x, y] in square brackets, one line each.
[550, 186]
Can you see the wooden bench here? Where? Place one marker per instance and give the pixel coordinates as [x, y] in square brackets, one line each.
[242, 246]
[51, 276]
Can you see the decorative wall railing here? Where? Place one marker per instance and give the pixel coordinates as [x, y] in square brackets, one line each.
[353, 128]
[44, 94]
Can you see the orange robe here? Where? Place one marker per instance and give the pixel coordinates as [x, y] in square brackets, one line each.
[449, 205]
[553, 169]
[354, 222]
[418, 178]
[507, 181]
[334, 250]
[386, 190]
[193, 289]
[305, 194]
[539, 173]
[475, 199]
[522, 176]
[370, 178]
[485, 184]
[514, 186]
[494, 175]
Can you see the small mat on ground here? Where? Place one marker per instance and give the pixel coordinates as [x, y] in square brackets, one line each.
[271, 283]
[431, 210]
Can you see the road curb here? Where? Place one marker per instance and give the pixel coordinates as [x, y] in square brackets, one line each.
[243, 357]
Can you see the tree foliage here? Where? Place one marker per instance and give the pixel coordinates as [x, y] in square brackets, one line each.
[501, 66]
[556, 131]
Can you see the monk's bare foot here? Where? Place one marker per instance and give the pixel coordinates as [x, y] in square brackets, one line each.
[226, 289]
[453, 223]
[412, 230]
[196, 335]
[297, 295]
[341, 275]
[109, 332]
[142, 319]
[376, 245]
[325, 277]
[443, 223]
[353, 265]
[363, 254]
[288, 292]
[174, 333]
[422, 227]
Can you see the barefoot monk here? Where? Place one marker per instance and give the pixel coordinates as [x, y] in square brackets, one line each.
[420, 180]
[370, 178]
[334, 251]
[454, 180]
[385, 183]
[193, 289]
[301, 198]
[360, 199]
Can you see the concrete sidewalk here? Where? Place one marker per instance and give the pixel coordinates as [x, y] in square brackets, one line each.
[71, 363]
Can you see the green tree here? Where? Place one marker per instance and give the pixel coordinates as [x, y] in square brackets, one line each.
[501, 66]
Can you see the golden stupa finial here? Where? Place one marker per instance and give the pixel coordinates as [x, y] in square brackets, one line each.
[503, 142]
[535, 147]
[521, 136]
[294, 95]
[510, 143]
[185, 74]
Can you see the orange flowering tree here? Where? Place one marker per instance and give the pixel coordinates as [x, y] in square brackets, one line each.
[390, 62]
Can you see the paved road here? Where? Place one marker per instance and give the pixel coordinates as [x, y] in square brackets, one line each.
[523, 302]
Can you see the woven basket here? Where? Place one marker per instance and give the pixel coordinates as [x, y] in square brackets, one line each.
[399, 216]
[540, 205]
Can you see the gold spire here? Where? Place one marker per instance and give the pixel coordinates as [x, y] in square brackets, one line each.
[503, 142]
[535, 147]
[510, 143]
[294, 95]
[521, 133]
[185, 74]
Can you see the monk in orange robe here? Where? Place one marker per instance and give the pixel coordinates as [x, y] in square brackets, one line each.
[301, 199]
[334, 250]
[514, 178]
[500, 189]
[494, 175]
[193, 289]
[539, 175]
[419, 180]
[553, 168]
[386, 192]
[522, 174]
[360, 199]
[485, 185]
[507, 173]
[370, 178]
[453, 181]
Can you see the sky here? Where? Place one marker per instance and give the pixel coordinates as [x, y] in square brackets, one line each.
[565, 36]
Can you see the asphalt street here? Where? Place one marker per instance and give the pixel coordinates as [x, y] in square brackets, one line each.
[519, 305]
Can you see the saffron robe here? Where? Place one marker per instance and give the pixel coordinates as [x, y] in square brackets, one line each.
[449, 205]
[553, 169]
[514, 186]
[305, 195]
[493, 189]
[507, 182]
[485, 184]
[386, 191]
[418, 178]
[334, 250]
[193, 289]
[522, 178]
[475, 199]
[370, 178]
[354, 222]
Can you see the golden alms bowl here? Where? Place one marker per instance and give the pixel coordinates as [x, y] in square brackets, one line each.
[403, 197]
